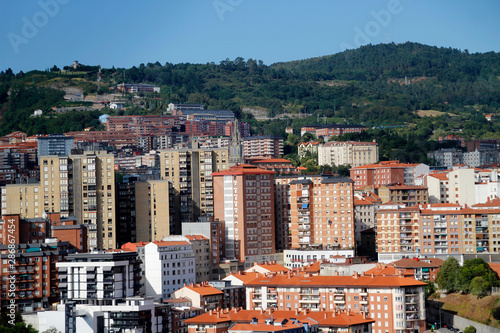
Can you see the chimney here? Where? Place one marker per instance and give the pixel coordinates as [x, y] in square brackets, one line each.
[364, 314]
[372, 275]
[218, 314]
[261, 311]
[211, 312]
[296, 311]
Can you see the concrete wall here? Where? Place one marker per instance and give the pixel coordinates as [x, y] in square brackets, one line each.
[434, 313]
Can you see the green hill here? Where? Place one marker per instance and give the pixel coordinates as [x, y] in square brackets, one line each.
[374, 85]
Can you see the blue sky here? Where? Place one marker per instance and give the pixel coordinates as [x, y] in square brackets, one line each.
[40, 34]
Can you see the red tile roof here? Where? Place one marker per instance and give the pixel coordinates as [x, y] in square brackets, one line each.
[243, 169]
[204, 290]
[365, 281]
[323, 318]
[246, 276]
[196, 237]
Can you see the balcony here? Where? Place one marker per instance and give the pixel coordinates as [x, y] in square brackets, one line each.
[309, 300]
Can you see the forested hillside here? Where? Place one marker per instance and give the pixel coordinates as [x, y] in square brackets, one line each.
[375, 85]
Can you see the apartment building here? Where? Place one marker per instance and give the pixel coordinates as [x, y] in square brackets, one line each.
[201, 295]
[152, 210]
[55, 145]
[328, 130]
[348, 153]
[245, 202]
[365, 207]
[80, 185]
[104, 286]
[263, 146]
[457, 185]
[322, 212]
[447, 157]
[282, 211]
[397, 232]
[99, 278]
[201, 249]
[36, 282]
[375, 175]
[396, 303]
[238, 320]
[404, 194]
[437, 230]
[190, 172]
[166, 265]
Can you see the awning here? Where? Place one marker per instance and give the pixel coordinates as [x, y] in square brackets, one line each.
[425, 269]
[306, 205]
[480, 248]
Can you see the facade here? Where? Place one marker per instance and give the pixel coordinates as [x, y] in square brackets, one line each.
[167, 265]
[201, 249]
[201, 295]
[322, 213]
[397, 232]
[395, 303]
[55, 145]
[245, 202]
[307, 147]
[477, 157]
[263, 146]
[413, 172]
[99, 278]
[404, 194]
[134, 314]
[454, 186]
[329, 130]
[365, 208]
[447, 157]
[348, 153]
[137, 87]
[36, 281]
[300, 258]
[437, 230]
[190, 172]
[305, 321]
[152, 210]
[375, 175]
[71, 186]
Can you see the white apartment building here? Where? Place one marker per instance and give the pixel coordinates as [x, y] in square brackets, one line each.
[166, 265]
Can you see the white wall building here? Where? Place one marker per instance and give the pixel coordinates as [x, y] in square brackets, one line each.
[351, 152]
[119, 317]
[300, 258]
[167, 265]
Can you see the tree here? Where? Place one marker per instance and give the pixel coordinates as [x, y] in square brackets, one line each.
[470, 329]
[473, 269]
[293, 139]
[447, 275]
[479, 287]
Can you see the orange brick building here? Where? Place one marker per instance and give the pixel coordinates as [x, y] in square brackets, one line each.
[375, 175]
[237, 320]
[244, 200]
[322, 212]
[396, 303]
